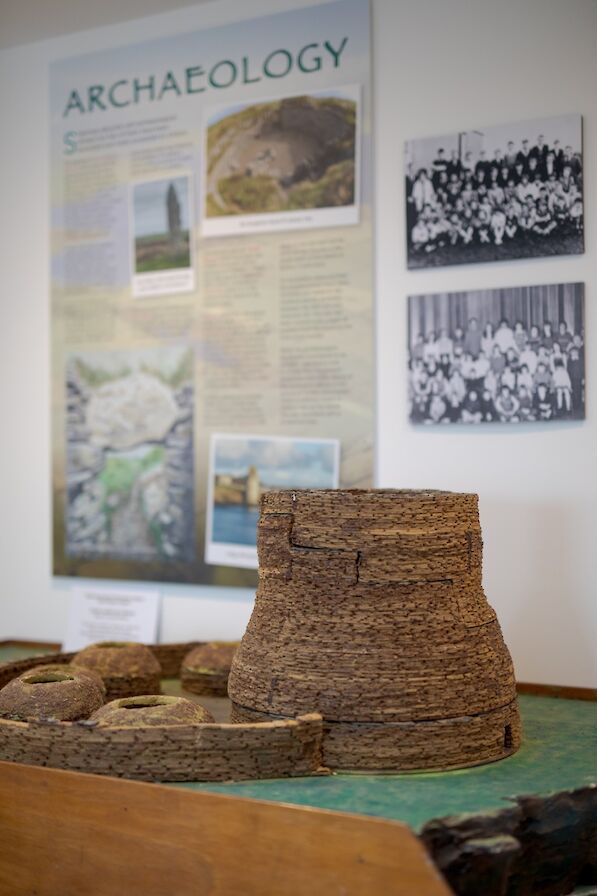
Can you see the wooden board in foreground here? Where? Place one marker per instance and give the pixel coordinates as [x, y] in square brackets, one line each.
[68, 833]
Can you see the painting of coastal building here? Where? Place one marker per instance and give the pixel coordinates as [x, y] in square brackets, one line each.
[238, 490]
[242, 468]
[129, 450]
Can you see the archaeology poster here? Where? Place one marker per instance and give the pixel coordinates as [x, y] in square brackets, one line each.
[211, 289]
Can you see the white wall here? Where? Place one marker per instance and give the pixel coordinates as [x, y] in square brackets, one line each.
[31, 20]
[438, 66]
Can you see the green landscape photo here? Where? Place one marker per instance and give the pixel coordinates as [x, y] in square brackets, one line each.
[293, 153]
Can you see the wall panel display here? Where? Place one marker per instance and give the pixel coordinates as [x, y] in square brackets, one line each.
[211, 276]
[511, 355]
[497, 193]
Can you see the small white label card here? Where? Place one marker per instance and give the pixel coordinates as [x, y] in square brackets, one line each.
[111, 614]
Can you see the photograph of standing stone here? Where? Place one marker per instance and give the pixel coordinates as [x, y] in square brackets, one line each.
[370, 610]
[162, 237]
[496, 193]
[129, 448]
[161, 220]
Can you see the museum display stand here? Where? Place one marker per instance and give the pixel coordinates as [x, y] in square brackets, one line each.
[372, 649]
[67, 832]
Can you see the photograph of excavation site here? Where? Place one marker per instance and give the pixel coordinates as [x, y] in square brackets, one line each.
[291, 154]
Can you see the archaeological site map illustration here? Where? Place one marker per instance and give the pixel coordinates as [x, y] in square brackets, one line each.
[129, 448]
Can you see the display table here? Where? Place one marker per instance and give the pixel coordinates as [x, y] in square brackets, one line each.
[559, 753]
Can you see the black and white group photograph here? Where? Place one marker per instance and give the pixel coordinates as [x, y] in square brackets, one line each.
[513, 191]
[512, 355]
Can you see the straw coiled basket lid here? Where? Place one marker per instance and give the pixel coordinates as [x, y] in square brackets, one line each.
[206, 668]
[52, 691]
[128, 669]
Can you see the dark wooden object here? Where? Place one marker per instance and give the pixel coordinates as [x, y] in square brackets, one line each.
[539, 845]
[565, 692]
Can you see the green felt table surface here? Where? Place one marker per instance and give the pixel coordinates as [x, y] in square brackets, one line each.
[559, 752]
